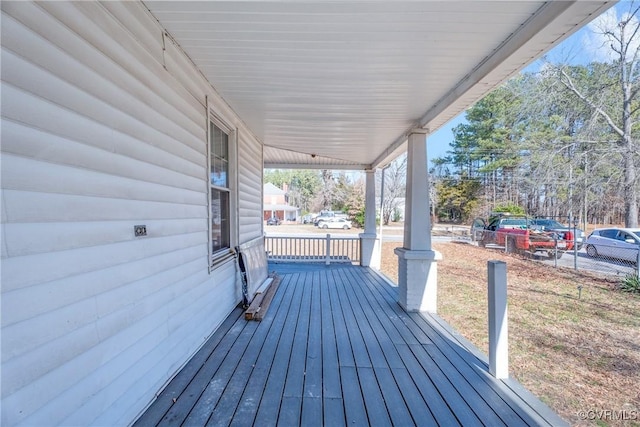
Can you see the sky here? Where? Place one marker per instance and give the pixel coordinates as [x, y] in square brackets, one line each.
[582, 47]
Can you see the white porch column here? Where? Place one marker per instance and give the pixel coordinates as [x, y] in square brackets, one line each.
[417, 262]
[369, 242]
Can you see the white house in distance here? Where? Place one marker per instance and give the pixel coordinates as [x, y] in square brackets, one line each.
[134, 136]
[276, 204]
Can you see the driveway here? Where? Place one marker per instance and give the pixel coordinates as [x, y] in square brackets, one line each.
[598, 265]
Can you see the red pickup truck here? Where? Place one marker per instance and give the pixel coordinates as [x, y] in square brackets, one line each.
[518, 235]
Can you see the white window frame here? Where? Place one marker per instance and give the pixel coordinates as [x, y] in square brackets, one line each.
[225, 254]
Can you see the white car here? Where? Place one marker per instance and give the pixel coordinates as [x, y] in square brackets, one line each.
[618, 243]
[335, 223]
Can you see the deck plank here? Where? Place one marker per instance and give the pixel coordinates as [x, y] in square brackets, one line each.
[199, 362]
[188, 398]
[269, 406]
[419, 409]
[463, 360]
[378, 306]
[311, 411]
[343, 342]
[331, 387]
[468, 379]
[446, 375]
[358, 346]
[396, 405]
[290, 411]
[313, 362]
[333, 412]
[375, 314]
[422, 361]
[364, 350]
[247, 409]
[477, 379]
[336, 349]
[294, 383]
[354, 406]
[259, 345]
[436, 402]
[374, 402]
[371, 341]
[451, 385]
[213, 391]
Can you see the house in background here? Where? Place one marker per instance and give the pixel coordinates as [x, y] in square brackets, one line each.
[276, 204]
[134, 137]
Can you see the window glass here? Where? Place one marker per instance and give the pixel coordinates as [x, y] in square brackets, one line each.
[219, 157]
[220, 190]
[219, 169]
[521, 222]
[624, 236]
[220, 236]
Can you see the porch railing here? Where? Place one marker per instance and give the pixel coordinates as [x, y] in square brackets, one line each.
[326, 249]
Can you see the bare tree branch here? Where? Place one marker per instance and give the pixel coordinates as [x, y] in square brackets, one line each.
[569, 84]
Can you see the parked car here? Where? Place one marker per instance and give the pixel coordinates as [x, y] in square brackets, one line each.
[320, 218]
[517, 234]
[274, 220]
[553, 225]
[335, 223]
[618, 243]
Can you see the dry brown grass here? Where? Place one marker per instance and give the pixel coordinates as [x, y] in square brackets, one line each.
[575, 354]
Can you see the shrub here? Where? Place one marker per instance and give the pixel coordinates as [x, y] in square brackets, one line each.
[509, 208]
[631, 283]
[397, 216]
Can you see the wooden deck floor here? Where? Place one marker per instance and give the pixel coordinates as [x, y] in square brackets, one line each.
[335, 349]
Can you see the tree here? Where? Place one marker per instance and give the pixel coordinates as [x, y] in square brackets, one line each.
[486, 151]
[323, 199]
[303, 185]
[354, 205]
[395, 178]
[457, 198]
[616, 104]
[535, 143]
[342, 191]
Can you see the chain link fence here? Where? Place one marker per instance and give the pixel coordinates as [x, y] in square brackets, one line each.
[561, 249]
[611, 258]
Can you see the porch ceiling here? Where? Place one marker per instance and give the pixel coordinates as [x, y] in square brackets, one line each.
[340, 84]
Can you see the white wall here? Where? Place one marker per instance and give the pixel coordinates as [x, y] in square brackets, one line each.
[250, 166]
[102, 130]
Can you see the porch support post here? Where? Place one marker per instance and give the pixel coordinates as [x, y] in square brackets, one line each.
[417, 262]
[498, 329]
[369, 241]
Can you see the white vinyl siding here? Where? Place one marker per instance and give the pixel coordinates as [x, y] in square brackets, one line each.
[103, 128]
[249, 173]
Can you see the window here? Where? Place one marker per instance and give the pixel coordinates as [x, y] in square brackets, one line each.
[220, 190]
[625, 236]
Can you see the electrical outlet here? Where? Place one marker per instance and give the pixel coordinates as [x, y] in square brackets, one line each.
[140, 230]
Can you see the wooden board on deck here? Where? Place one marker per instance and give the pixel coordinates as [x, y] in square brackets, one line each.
[262, 299]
